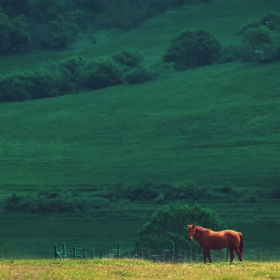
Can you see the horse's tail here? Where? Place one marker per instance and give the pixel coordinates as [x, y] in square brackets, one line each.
[241, 244]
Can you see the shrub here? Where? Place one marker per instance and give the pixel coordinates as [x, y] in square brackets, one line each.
[141, 192]
[72, 71]
[168, 224]
[128, 58]
[102, 74]
[193, 48]
[139, 75]
[46, 84]
[255, 37]
[15, 88]
[52, 202]
[261, 44]
[230, 53]
[270, 21]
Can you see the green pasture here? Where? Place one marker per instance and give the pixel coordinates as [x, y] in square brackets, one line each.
[134, 269]
[212, 126]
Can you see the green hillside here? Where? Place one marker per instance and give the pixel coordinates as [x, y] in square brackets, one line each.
[211, 126]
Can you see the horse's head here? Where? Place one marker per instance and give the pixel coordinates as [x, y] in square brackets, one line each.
[191, 231]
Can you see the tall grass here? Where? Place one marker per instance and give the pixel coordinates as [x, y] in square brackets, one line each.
[134, 269]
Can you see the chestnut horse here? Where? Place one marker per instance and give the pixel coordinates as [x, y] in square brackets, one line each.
[217, 240]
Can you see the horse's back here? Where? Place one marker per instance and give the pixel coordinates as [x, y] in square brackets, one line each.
[218, 240]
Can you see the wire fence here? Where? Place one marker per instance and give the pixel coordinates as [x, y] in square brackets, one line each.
[170, 255]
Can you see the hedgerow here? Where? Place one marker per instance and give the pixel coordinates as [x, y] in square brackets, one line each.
[73, 75]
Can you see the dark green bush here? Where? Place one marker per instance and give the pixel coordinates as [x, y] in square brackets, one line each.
[51, 202]
[128, 58]
[193, 48]
[103, 73]
[74, 74]
[270, 21]
[168, 224]
[231, 53]
[139, 75]
[141, 192]
[15, 88]
[260, 44]
[255, 37]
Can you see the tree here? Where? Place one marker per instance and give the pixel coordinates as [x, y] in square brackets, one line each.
[169, 223]
[193, 48]
[5, 32]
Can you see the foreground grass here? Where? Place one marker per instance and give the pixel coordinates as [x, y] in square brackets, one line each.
[132, 269]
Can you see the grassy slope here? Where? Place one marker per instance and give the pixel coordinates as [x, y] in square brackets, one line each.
[214, 125]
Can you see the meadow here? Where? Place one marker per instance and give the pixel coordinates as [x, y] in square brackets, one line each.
[135, 269]
[215, 126]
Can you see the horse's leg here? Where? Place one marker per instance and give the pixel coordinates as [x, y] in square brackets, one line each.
[204, 255]
[238, 254]
[207, 254]
[231, 254]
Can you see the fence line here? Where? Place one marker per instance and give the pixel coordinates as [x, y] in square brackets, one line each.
[170, 255]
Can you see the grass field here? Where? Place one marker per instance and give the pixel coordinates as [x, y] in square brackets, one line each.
[130, 269]
[214, 126]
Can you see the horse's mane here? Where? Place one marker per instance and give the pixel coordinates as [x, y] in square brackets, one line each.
[208, 229]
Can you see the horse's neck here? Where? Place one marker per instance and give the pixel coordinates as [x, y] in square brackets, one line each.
[199, 232]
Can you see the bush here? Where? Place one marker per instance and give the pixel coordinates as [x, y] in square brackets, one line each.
[141, 192]
[261, 44]
[128, 58]
[255, 37]
[74, 74]
[103, 73]
[15, 88]
[139, 75]
[53, 202]
[230, 53]
[193, 48]
[168, 224]
[270, 21]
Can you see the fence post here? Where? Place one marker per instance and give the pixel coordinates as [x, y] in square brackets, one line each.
[136, 250]
[92, 253]
[55, 251]
[100, 254]
[172, 251]
[85, 252]
[74, 252]
[118, 250]
[64, 250]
